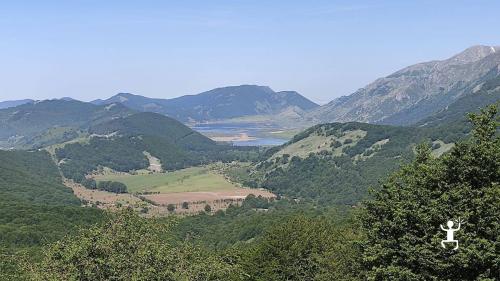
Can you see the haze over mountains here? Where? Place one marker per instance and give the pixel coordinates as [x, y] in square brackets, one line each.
[418, 94]
[64, 143]
[51, 121]
[402, 98]
[219, 103]
[14, 103]
[415, 92]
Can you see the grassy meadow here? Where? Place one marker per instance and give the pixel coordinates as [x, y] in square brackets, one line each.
[186, 180]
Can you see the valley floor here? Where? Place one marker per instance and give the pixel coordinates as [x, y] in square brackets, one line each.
[152, 192]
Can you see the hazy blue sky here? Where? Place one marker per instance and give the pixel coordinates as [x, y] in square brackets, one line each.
[323, 49]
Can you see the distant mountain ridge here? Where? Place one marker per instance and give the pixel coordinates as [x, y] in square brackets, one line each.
[50, 121]
[455, 114]
[14, 103]
[220, 103]
[415, 92]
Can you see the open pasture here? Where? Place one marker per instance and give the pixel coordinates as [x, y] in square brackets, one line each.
[198, 186]
[193, 179]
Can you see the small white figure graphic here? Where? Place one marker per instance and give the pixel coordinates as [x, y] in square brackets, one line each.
[450, 234]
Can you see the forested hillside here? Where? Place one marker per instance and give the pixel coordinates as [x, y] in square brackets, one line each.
[337, 163]
[155, 125]
[121, 144]
[393, 236]
[402, 222]
[35, 206]
[52, 121]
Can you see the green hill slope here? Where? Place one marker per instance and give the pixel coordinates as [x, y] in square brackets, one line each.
[34, 204]
[338, 162]
[35, 208]
[52, 121]
[121, 144]
[155, 125]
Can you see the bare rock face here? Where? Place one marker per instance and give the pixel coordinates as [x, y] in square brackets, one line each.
[415, 92]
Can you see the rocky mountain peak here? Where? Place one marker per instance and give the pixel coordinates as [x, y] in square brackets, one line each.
[415, 92]
[474, 54]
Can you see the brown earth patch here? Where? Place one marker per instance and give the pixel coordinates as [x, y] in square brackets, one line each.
[198, 200]
[156, 204]
[103, 199]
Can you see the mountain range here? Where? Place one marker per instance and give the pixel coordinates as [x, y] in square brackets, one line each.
[217, 104]
[47, 122]
[405, 97]
[14, 103]
[420, 94]
[415, 92]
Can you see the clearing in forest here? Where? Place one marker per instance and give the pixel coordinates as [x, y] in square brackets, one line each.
[197, 186]
[193, 179]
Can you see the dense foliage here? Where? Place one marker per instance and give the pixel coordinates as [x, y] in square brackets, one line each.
[32, 176]
[403, 221]
[332, 178]
[121, 154]
[129, 248]
[397, 236]
[294, 242]
[112, 186]
[34, 203]
[303, 248]
[123, 141]
[35, 206]
[237, 225]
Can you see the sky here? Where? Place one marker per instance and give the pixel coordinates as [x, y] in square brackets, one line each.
[164, 49]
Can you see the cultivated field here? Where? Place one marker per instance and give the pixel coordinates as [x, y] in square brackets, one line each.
[187, 180]
[198, 200]
[198, 186]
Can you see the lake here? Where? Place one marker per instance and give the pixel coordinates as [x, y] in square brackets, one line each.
[241, 134]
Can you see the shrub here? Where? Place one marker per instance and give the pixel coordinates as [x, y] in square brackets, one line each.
[335, 144]
[208, 209]
[129, 247]
[171, 207]
[347, 141]
[112, 186]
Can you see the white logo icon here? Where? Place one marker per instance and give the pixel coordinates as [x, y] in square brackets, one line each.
[450, 233]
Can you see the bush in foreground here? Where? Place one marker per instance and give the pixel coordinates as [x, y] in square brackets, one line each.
[403, 221]
[128, 247]
[303, 248]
